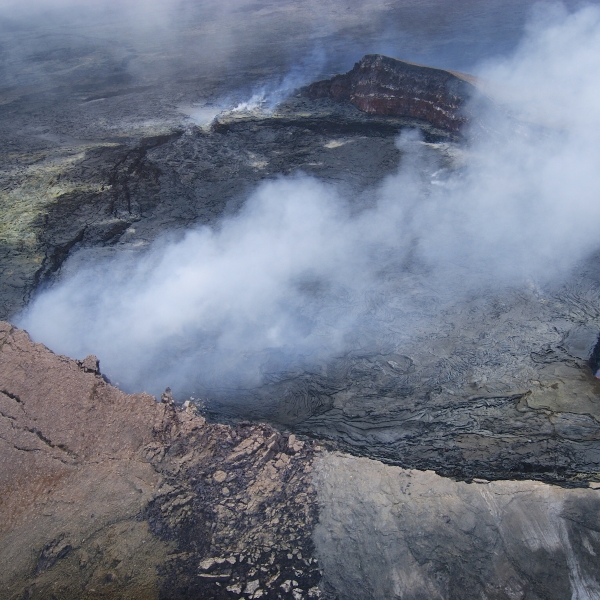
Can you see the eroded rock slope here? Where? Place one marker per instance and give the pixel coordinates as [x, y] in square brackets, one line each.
[106, 495]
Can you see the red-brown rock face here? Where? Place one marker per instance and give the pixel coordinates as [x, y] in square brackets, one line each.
[385, 86]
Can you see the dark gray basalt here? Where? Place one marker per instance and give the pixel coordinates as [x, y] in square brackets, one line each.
[177, 180]
[594, 360]
[508, 394]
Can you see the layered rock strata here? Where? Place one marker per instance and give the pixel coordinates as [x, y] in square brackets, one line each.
[380, 85]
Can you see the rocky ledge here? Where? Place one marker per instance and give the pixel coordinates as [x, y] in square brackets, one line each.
[107, 495]
[380, 85]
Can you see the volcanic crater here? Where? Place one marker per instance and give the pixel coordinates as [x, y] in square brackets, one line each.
[494, 397]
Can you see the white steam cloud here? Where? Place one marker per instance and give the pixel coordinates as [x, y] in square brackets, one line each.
[300, 275]
[268, 96]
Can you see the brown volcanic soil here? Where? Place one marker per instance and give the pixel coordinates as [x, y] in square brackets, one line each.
[106, 495]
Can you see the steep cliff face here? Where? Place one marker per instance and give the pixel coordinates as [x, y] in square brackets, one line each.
[386, 532]
[380, 85]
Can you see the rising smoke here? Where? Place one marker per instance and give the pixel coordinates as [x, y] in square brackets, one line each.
[155, 41]
[298, 275]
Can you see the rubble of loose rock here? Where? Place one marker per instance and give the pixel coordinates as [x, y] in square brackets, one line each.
[107, 495]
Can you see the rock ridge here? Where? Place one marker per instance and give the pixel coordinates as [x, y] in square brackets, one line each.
[380, 85]
[109, 495]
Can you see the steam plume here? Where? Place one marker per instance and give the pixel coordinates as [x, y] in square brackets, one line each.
[298, 275]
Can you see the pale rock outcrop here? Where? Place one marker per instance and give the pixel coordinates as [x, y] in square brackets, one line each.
[387, 532]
